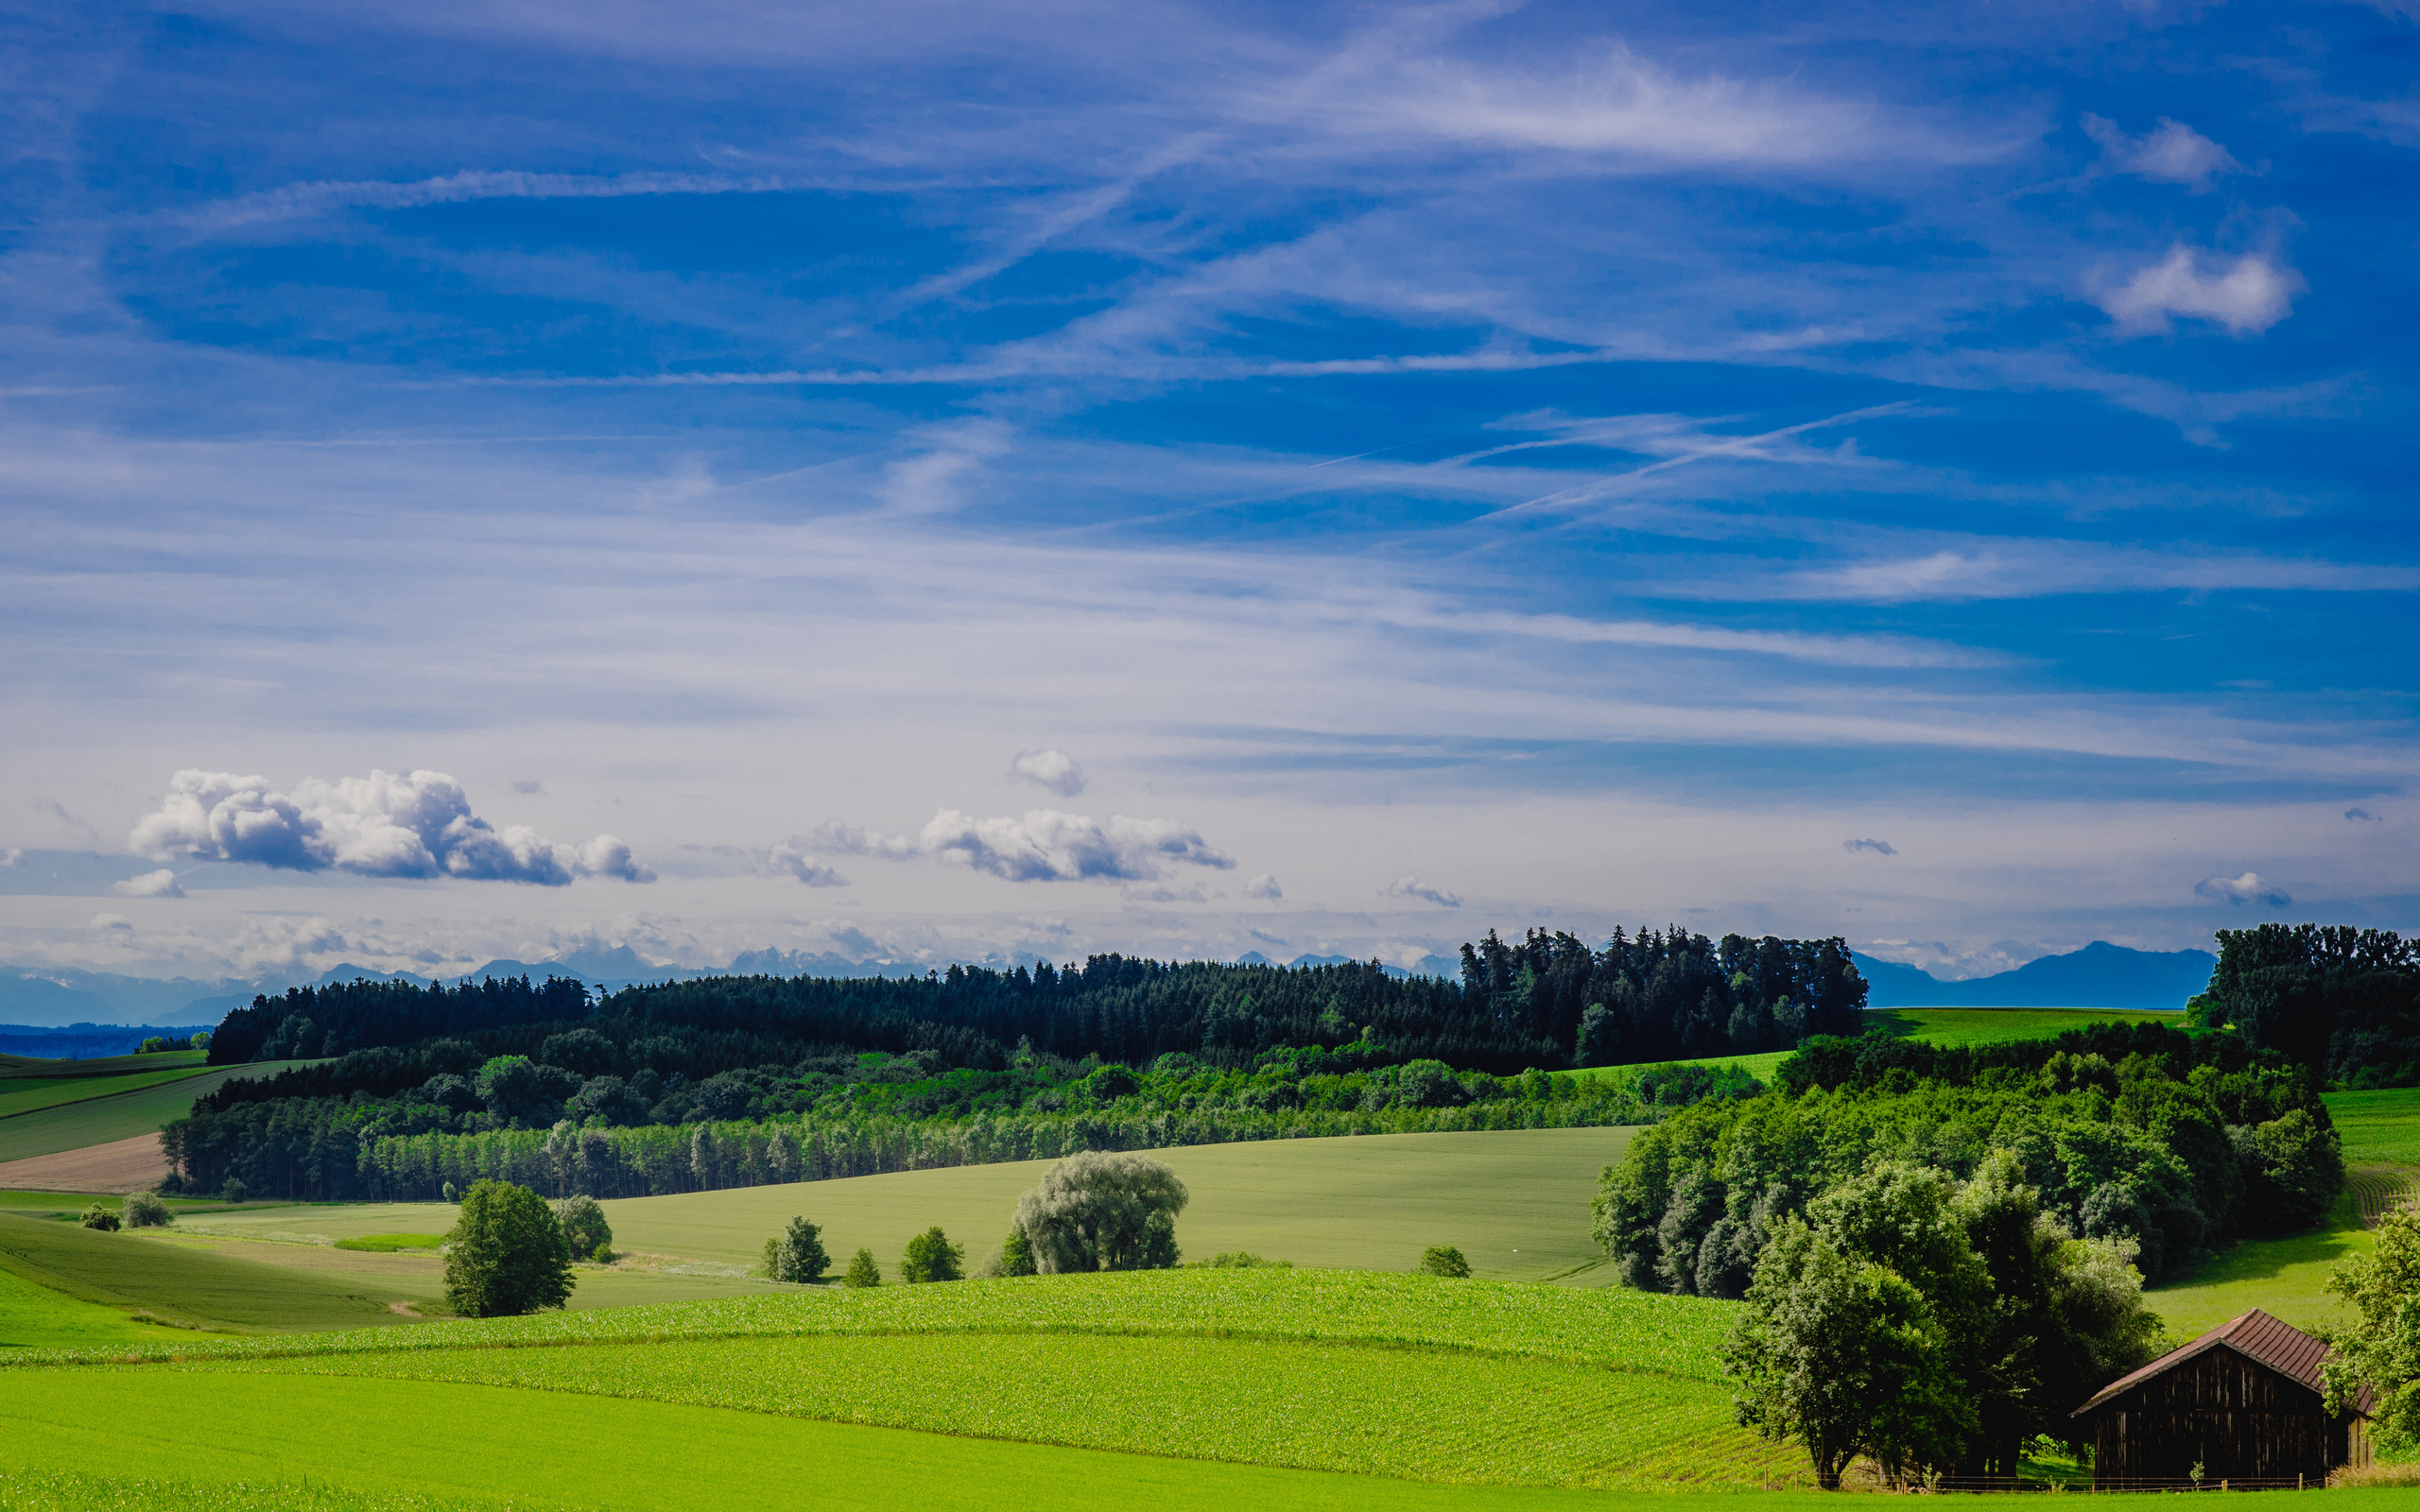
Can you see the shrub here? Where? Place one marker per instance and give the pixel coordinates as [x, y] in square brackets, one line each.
[1240, 1259]
[235, 1190]
[98, 1216]
[863, 1271]
[796, 1254]
[508, 1254]
[932, 1258]
[1098, 1211]
[451, 1194]
[1443, 1260]
[585, 1229]
[143, 1210]
[1016, 1256]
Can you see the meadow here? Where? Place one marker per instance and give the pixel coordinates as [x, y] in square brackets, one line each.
[101, 1118]
[20, 1095]
[15, 1067]
[2378, 1128]
[1515, 1201]
[1073, 1391]
[1947, 1026]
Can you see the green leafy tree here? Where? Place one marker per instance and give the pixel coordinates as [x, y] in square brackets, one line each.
[585, 1229]
[507, 1253]
[143, 1210]
[932, 1258]
[796, 1254]
[1843, 1356]
[1016, 1256]
[2381, 1349]
[862, 1271]
[1443, 1260]
[1103, 1211]
[100, 1216]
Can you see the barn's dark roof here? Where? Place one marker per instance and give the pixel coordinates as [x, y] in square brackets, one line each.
[2280, 1345]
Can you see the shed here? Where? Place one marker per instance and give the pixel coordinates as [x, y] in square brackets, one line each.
[2244, 1402]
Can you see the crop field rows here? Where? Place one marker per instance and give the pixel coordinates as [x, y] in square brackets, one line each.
[1437, 1414]
[2380, 1190]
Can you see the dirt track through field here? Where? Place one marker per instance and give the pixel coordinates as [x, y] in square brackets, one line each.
[121, 1165]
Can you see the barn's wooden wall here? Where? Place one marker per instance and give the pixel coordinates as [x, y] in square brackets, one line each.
[2238, 1419]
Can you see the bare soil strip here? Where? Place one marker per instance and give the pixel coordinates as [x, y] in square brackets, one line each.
[121, 1165]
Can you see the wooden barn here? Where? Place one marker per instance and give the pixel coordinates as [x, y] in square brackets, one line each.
[2243, 1401]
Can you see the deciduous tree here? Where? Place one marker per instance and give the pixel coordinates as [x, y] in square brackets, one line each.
[507, 1253]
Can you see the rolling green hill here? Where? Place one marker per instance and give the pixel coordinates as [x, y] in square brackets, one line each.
[1515, 1201]
[117, 1114]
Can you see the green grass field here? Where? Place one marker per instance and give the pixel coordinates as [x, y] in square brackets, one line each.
[2285, 1278]
[74, 1491]
[1607, 1327]
[119, 1115]
[34, 1317]
[1424, 1415]
[30, 1095]
[2378, 1128]
[1515, 1201]
[1942, 1026]
[14, 1067]
[1261, 1388]
[1991, 1026]
[181, 1281]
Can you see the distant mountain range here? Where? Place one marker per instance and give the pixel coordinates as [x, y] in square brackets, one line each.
[2101, 975]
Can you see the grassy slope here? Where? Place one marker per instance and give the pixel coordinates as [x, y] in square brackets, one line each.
[13, 1067]
[30, 1095]
[2378, 1128]
[123, 1116]
[183, 1282]
[37, 1317]
[1515, 1201]
[1427, 1415]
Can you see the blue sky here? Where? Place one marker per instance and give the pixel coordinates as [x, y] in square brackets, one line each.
[984, 482]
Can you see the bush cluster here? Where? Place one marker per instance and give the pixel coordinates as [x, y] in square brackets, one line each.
[2176, 1141]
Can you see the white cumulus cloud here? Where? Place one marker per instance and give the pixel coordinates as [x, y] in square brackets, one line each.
[1414, 887]
[1048, 845]
[159, 884]
[418, 824]
[2171, 152]
[11, 857]
[2250, 294]
[2252, 887]
[1043, 846]
[1053, 770]
[1263, 887]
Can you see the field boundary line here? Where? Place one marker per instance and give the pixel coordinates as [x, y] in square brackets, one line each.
[236, 1352]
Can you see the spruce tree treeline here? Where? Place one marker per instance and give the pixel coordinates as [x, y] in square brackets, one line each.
[1547, 1000]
